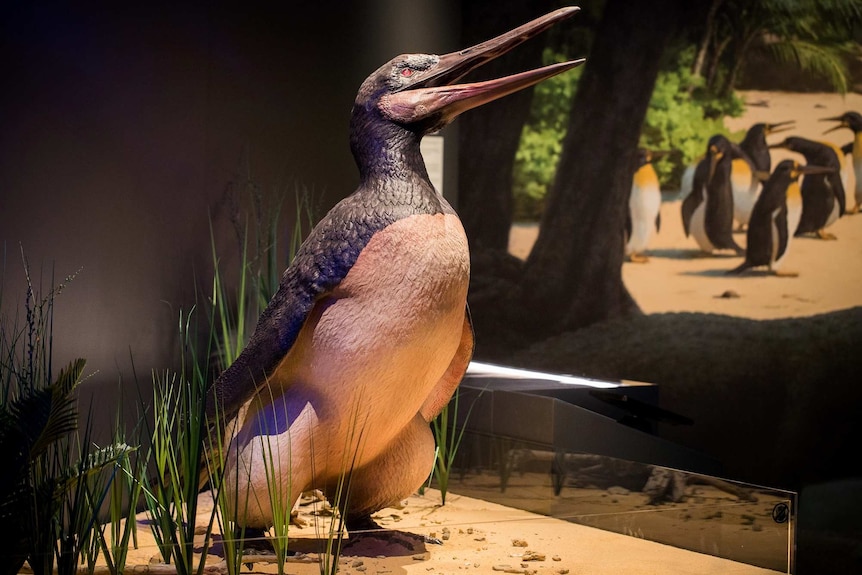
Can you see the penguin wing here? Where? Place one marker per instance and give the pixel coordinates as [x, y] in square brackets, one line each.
[837, 187]
[658, 222]
[696, 196]
[321, 263]
[444, 389]
[847, 148]
[780, 224]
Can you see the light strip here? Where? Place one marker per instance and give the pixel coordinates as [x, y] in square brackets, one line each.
[478, 369]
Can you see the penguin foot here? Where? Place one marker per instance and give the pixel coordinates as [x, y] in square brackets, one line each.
[824, 235]
[637, 258]
[785, 274]
[255, 539]
[361, 523]
[366, 527]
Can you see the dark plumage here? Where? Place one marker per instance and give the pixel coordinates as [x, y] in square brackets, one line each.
[822, 194]
[707, 212]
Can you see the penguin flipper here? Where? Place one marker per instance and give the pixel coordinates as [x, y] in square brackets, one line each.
[837, 186]
[847, 148]
[323, 260]
[696, 197]
[689, 205]
[658, 222]
[444, 389]
[783, 236]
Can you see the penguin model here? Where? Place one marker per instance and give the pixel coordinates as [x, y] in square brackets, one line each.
[368, 335]
[822, 194]
[751, 167]
[853, 121]
[775, 217]
[644, 213]
[707, 212]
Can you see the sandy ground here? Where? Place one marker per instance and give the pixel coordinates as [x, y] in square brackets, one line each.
[477, 537]
[679, 278]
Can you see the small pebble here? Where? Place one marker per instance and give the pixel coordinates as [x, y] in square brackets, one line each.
[533, 556]
[556, 558]
[519, 543]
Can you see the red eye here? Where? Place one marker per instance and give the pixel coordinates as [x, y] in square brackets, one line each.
[406, 72]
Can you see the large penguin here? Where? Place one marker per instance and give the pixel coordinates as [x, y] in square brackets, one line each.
[644, 213]
[707, 212]
[751, 168]
[367, 336]
[852, 121]
[775, 217]
[822, 194]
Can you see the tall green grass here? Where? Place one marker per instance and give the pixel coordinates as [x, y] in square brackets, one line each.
[55, 479]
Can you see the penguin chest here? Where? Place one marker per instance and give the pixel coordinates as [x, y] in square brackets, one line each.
[644, 206]
[857, 167]
[745, 188]
[387, 333]
[698, 227]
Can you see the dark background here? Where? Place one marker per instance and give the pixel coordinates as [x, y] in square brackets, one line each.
[121, 126]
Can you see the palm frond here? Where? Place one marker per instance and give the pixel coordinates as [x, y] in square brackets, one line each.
[813, 58]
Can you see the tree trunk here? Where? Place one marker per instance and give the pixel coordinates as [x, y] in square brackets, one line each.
[709, 30]
[488, 136]
[573, 276]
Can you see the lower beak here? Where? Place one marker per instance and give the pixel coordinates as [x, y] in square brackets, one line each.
[839, 119]
[780, 127]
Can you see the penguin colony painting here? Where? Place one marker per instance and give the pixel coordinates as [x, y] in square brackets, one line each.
[368, 335]
[733, 188]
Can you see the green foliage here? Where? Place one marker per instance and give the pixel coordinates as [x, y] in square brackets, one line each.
[177, 454]
[682, 122]
[448, 438]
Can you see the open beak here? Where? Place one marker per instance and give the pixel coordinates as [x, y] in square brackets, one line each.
[839, 119]
[437, 95]
[780, 127]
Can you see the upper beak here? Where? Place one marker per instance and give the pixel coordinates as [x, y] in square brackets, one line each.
[842, 123]
[780, 127]
[437, 95]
